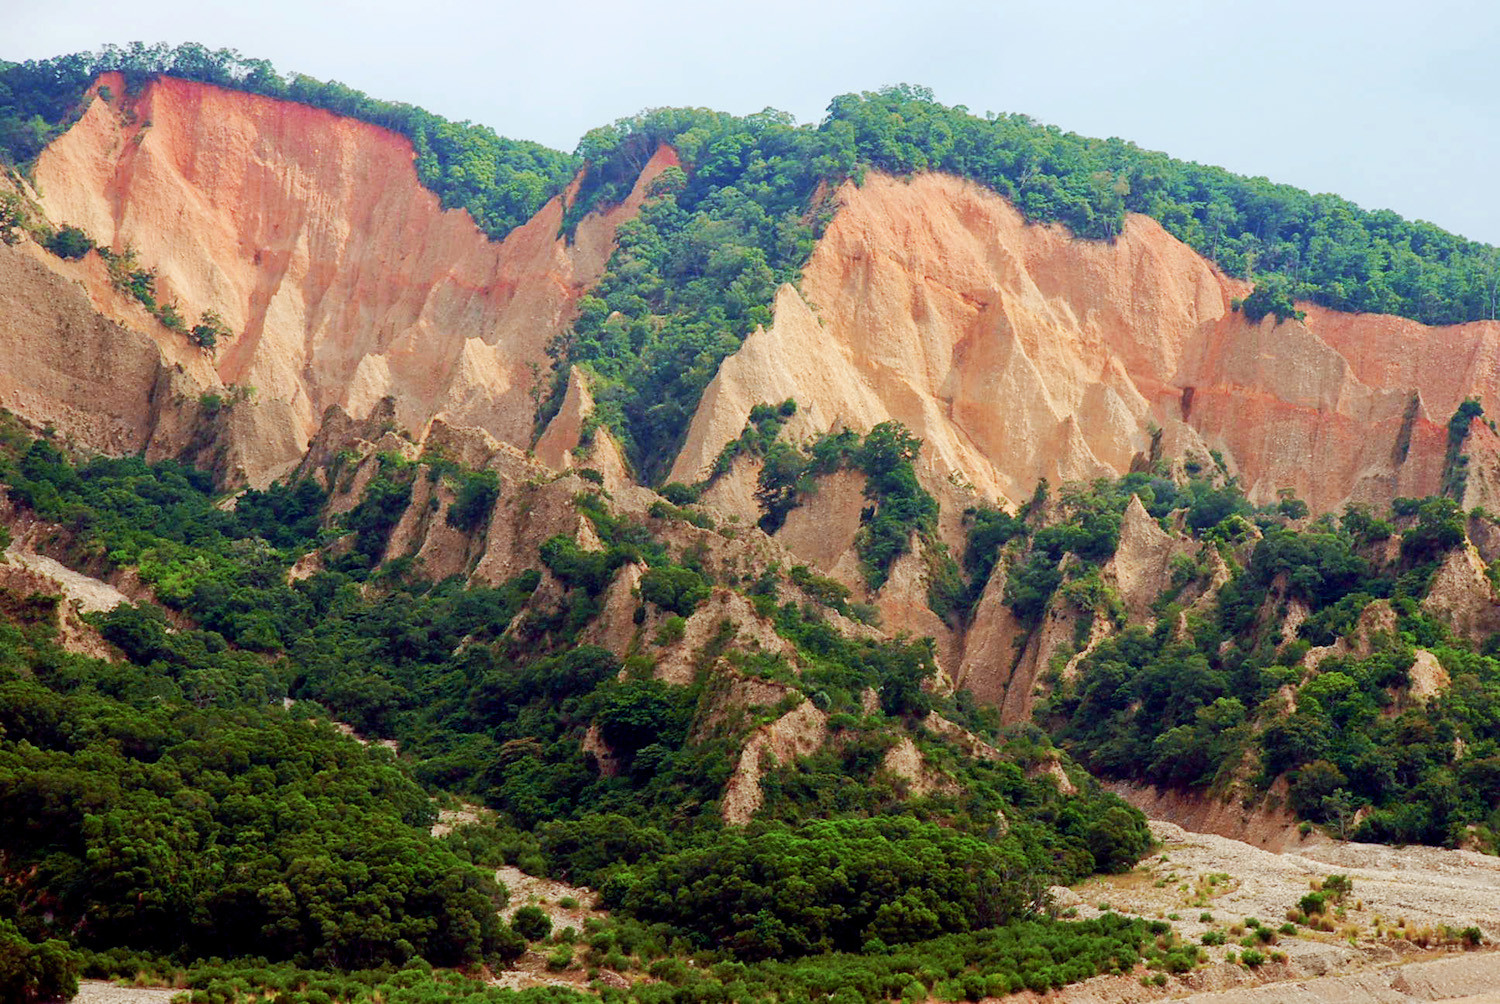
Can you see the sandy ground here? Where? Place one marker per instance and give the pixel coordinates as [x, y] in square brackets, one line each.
[1396, 890]
[1422, 886]
[98, 992]
[91, 594]
[546, 893]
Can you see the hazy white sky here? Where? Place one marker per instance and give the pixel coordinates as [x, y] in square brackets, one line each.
[1390, 104]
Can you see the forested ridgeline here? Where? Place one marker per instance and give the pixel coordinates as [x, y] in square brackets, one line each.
[697, 271]
[501, 182]
[175, 810]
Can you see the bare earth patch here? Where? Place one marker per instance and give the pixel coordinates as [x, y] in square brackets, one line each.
[99, 992]
[530, 890]
[1401, 898]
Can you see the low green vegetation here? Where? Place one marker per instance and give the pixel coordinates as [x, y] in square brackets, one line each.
[32, 972]
[1213, 696]
[1038, 955]
[178, 811]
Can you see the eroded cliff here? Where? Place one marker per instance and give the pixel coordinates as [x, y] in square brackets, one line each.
[1017, 352]
[341, 277]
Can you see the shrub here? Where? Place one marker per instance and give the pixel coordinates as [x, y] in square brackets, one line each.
[209, 330]
[69, 242]
[671, 631]
[478, 491]
[674, 588]
[35, 972]
[531, 923]
[680, 494]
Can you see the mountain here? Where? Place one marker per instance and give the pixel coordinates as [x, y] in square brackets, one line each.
[801, 535]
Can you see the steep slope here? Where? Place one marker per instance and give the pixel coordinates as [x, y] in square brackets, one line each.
[68, 367]
[341, 277]
[1017, 352]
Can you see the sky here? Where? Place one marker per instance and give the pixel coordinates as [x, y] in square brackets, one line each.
[1391, 105]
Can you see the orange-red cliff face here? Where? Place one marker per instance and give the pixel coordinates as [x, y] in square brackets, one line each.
[341, 276]
[1017, 352]
[1014, 351]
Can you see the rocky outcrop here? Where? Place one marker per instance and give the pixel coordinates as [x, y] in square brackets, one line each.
[992, 647]
[1274, 829]
[905, 762]
[104, 386]
[1462, 596]
[799, 732]
[822, 529]
[342, 278]
[34, 587]
[1017, 352]
[1142, 564]
[726, 618]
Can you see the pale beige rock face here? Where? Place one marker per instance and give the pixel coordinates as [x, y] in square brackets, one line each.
[822, 529]
[103, 385]
[992, 646]
[341, 276]
[1142, 564]
[1461, 595]
[1017, 352]
[558, 441]
[799, 732]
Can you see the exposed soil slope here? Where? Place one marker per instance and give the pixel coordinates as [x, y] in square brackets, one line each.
[342, 278]
[1017, 352]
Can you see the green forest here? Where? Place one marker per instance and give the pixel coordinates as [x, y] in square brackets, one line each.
[192, 802]
[1186, 701]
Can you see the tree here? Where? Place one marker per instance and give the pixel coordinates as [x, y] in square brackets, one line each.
[1339, 809]
[674, 588]
[209, 330]
[11, 218]
[35, 972]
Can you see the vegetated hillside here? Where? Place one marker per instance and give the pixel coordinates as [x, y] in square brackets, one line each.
[1168, 632]
[655, 699]
[700, 268]
[615, 766]
[812, 718]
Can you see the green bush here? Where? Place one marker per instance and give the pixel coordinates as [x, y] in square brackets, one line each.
[43, 971]
[531, 923]
[674, 588]
[478, 491]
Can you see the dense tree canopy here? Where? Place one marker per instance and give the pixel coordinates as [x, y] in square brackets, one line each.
[1192, 706]
[174, 808]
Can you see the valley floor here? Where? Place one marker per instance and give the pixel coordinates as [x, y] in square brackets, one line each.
[100, 992]
[1407, 895]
